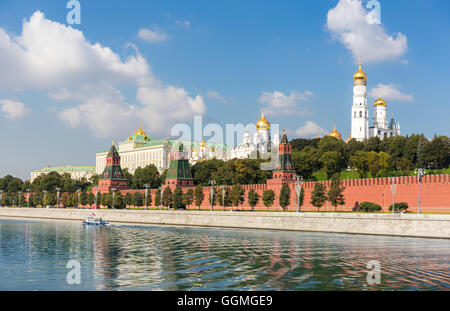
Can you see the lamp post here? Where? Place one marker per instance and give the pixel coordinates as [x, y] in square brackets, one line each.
[298, 190]
[223, 197]
[28, 201]
[212, 183]
[78, 193]
[393, 188]
[113, 191]
[146, 194]
[161, 194]
[420, 173]
[1, 198]
[45, 195]
[20, 194]
[57, 196]
[96, 198]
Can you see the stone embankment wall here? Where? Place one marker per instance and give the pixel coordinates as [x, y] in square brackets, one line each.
[433, 226]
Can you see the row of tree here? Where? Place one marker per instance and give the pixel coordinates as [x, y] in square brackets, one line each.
[379, 158]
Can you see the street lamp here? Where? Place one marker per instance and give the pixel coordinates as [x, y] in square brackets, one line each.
[212, 183]
[1, 197]
[28, 201]
[420, 173]
[393, 188]
[57, 196]
[20, 194]
[299, 179]
[45, 195]
[146, 194]
[114, 191]
[223, 196]
[79, 192]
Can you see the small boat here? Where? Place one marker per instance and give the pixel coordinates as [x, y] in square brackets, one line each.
[94, 220]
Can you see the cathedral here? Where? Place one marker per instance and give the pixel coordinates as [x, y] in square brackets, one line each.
[360, 129]
[261, 143]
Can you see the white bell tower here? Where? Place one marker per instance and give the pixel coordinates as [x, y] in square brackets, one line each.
[360, 109]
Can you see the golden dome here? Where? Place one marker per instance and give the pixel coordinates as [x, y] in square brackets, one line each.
[334, 133]
[360, 75]
[262, 123]
[380, 102]
[348, 139]
[203, 144]
[139, 131]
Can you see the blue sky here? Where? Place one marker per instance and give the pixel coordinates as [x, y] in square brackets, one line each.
[65, 94]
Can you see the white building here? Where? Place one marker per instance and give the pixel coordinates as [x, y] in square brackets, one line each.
[140, 150]
[360, 129]
[76, 172]
[261, 142]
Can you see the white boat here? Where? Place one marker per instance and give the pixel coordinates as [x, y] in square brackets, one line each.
[94, 220]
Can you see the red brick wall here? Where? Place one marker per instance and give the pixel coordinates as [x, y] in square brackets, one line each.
[435, 193]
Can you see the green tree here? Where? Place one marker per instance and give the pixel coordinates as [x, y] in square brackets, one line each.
[237, 195]
[128, 199]
[199, 196]
[188, 197]
[118, 200]
[306, 162]
[91, 198]
[84, 198]
[106, 199]
[384, 164]
[147, 175]
[373, 163]
[331, 161]
[318, 196]
[128, 176]
[158, 197]
[285, 196]
[359, 162]
[178, 198]
[335, 193]
[94, 179]
[268, 198]
[167, 197]
[137, 199]
[253, 198]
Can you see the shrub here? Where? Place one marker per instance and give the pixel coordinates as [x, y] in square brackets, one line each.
[369, 207]
[401, 206]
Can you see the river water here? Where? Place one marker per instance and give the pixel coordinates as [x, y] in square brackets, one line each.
[34, 256]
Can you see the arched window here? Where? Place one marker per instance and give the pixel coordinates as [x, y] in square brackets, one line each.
[360, 114]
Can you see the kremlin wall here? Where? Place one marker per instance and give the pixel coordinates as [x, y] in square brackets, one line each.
[435, 189]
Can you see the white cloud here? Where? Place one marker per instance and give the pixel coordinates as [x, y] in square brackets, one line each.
[58, 60]
[308, 130]
[153, 35]
[183, 23]
[348, 23]
[280, 104]
[215, 95]
[390, 92]
[13, 109]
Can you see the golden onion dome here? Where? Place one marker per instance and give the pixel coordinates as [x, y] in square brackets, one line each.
[139, 131]
[380, 102]
[203, 144]
[262, 123]
[360, 75]
[334, 133]
[348, 139]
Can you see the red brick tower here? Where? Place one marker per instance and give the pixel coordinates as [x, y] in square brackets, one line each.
[284, 171]
[179, 173]
[112, 176]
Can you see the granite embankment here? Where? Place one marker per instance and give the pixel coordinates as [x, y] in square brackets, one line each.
[412, 225]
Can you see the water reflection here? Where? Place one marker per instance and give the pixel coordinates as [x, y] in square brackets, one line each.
[33, 255]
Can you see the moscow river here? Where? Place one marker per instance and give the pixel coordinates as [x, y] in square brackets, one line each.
[34, 256]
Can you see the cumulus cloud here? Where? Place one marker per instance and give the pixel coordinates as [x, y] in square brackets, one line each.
[390, 92]
[216, 96]
[13, 109]
[183, 23]
[59, 60]
[280, 104]
[349, 24]
[152, 35]
[308, 130]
